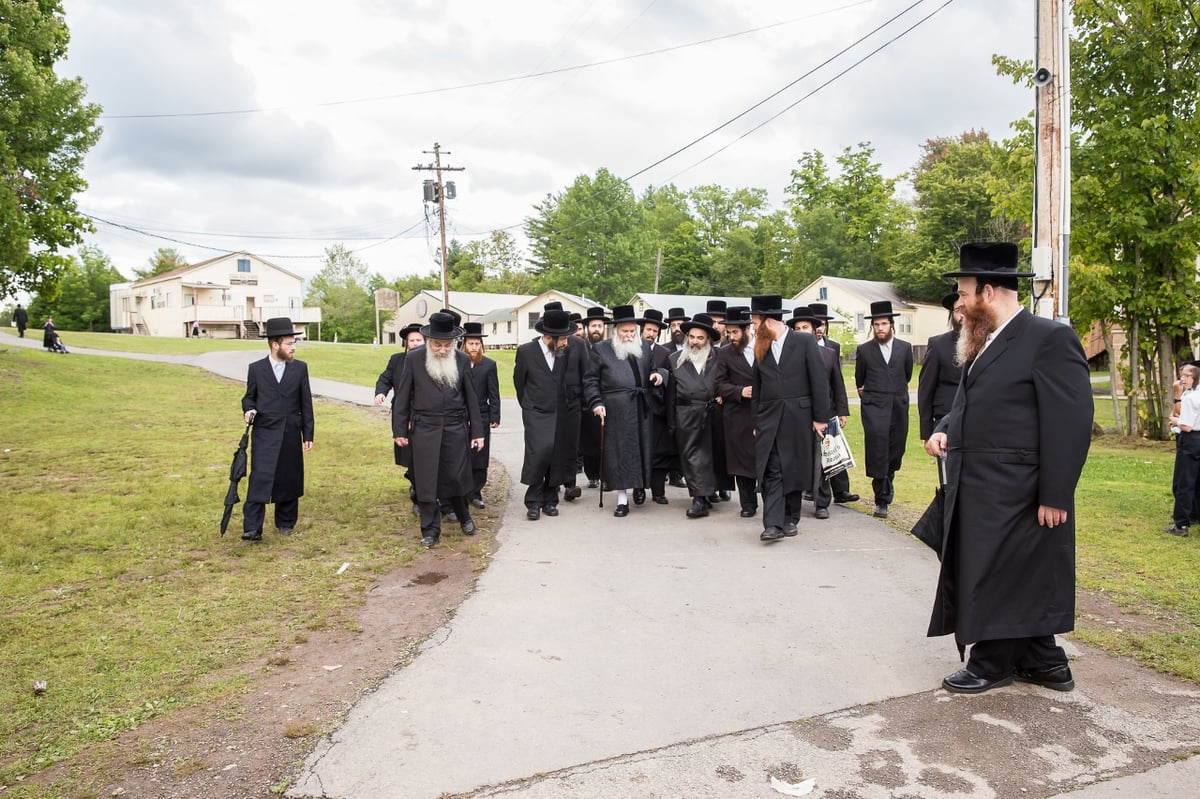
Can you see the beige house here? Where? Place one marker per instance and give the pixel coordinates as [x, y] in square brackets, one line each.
[851, 299]
[528, 313]
[497, 313]
[229, 296]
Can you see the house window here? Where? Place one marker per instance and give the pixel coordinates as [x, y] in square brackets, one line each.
[823, 293]
[226, 298]
[189, 300]
[494, 326]
[294, 302]
[904, 324]
[858, 323]
[166, 300]
[509, 326]
[534, 316]
[243, 264]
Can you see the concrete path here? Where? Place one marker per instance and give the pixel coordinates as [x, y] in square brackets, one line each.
[656, 656]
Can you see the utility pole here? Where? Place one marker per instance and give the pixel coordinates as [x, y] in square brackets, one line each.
[1052, 159]
[436, 191]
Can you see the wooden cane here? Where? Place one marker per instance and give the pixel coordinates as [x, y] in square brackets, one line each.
[602, 461]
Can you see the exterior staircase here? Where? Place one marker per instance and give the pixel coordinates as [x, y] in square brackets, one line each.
[250, 329]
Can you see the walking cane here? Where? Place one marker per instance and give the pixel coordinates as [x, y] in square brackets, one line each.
[602, 461]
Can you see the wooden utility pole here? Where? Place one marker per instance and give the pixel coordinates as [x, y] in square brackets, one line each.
[1052, 159]
[439, 196]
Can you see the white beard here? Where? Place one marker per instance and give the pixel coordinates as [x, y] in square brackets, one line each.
[443, 371]
[623, 350]
[697, 358]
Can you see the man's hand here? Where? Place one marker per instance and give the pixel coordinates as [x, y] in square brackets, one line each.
[401, 441]
[936, 445]
[379, 398]
[747, 392]
[494, 425]
[656, 379]
[599, 411]
[819, 428]
[842, 421]
[307, 446]
[1049, 517]
[477, 444]
[248, 416]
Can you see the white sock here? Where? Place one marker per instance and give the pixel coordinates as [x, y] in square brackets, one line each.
[622, 497]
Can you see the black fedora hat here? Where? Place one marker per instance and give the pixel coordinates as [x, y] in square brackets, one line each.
[555, 323]
[653, 316]
[457, 316]
[676, 315]
[553, 305]
[988, 259]
[949, 301]
[804, 313]
[279, 327]
[881, 309]
[704, 322]
[442, 326]
[596, 314]
[405, 331]
[625, 314]
[767, 305]
[473, 330]
[739, 316]
[716, 308]
[821, 311]
[576, 318]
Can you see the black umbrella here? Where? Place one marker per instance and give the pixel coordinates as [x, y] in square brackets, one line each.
[237, 470]
[929, 527]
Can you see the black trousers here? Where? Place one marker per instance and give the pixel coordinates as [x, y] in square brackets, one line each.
[996, 659]
[840, 483]
[539, 495]
[778, 506]
[1183, 483]
[884, 489]
[431, 515]
[480, 480]
[255, 513]
[658, 482]
[746, 496]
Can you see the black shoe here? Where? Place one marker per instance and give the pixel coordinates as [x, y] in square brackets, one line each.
[711, 499]
[822, 513]
[533, 514]
[469, 527]
[660, 499]
[593, 483]
[477, 504]
[698, 509]
[790, 529]
[965, 681]
[771, 534]
[428, 541]
[1175, 529]
[285, 530]
[723, 496]
[572, 493]
[842, 499]
[808, 496]
[550, 510]
[451, 516]
[880, 511]
[677, 481]
[749, 513]
[252, 535]
[1057, 678]
[621, 511]
[639, 496]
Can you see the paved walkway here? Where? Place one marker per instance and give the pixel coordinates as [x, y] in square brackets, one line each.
[656, 656]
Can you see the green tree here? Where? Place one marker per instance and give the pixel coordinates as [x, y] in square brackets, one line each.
[82, 299]
[46, 128]
[344, 290]
[164, 259]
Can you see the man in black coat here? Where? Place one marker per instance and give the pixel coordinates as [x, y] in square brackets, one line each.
[940, 373]
[840, 482]
[437, 414]
[596, 323]
[21, 320]
[389, 378]
[805, 321]
[734, 381]
[882, 368]
[487, 391]
[1015, 443]
[664, 457]
[675, 318]
[539, 378]
[278, 401]
[791, 409]
[692, 410]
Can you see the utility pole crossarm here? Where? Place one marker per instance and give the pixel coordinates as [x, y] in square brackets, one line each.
[437, 168]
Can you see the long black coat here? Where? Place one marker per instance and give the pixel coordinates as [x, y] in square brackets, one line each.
[283, 423]
[439, 423]
[692, 415]
[1018, 437]
[733, 374]
[938, 381]
[487, 391]
[664, 454]
[788, 397]
[838, 401]
[389, 378]
[883, 388]
[542, 394]
[621, 386]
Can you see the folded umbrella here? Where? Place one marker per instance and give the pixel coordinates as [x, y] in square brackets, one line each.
[929, 528]
[237, 470]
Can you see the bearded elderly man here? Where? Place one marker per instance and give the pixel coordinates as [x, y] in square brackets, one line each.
[1015, 442]
[616, 390]
[692, 408]
[437, 397]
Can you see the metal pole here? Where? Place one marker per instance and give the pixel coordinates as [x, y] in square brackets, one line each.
[1065, 21]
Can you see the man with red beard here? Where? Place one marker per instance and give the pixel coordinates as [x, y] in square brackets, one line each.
[882, 368]
[1015, 442]
[487, 390]
[940, 372]
[735, 386]
[791, 408]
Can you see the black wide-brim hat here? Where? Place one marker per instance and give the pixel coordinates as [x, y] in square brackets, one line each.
[821, 311]
[415, 327]
[705, 323]
[738, 316]
[596, 313]
[804, 313]
[881, 309]
[987, 259]
[716, 308]
[766, 305]
[625, 314]
[949, 301]
[654, 317]
[441, 326]
[555, 323]
[676, 315]
[473, 330]
[279, 327]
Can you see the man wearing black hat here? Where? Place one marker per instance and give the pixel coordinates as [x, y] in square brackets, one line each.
[840, 482]
[805, 321]
[278, 401]
[1015, 442]
[882, 368]
[940, 373]
[675, 318]
[539, 375]
[596, 324]
[21, 320]
[664, 457]
[791, 409]
[615, 388]
[734, 382]
[389, 378]
[692, 410]
[487, 390]
[717, 310]
[437, 414]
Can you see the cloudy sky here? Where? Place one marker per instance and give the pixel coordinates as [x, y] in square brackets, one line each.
[284, 126]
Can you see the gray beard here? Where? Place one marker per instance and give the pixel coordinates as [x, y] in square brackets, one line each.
[697, 358]
[632, 349]
[443, 371]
